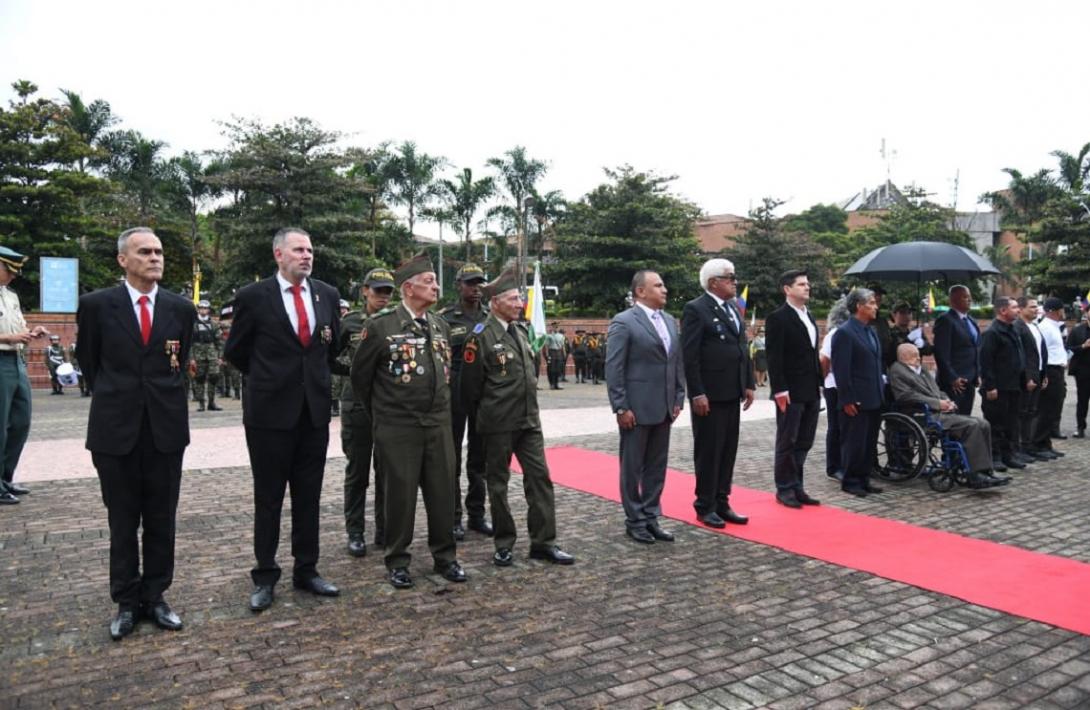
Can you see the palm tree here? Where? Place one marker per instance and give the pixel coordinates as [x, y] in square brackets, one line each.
[134, 162]
[1073, 168]
[465, 197]
[1023, 201]
[412, 178]
[518, 174]
[87, 121]
[547, 209]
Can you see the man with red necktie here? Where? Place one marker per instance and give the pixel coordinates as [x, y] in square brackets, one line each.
[283, 340]
[133, 342]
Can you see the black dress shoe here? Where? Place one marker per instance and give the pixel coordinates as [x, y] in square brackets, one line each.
[1027, 458]
[459, 532]
[163, 616]
[213, 407]
[8, 499]
[356, 545]
[1055, 454]
[452, 572]
[553, 554]
[503, 557]
[640, 535]
[1011, 463]
[731, 517]
[835, 475]
[316, 585]
[996, 480]
[123, 624]
[658, 533]
[1080, 434]
[17, 489]
[1057, 435]
[711, 520]
[858, 491]
[806, 499]
[262, 597]
[380, 540]
[400, 578]
[788, 499]
[870, 488]
[482, 526]
[998, 466]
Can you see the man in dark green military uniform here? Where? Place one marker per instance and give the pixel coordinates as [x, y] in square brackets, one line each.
[338, 382]
[54, 358]
[462, 317]
[499, 385]
[356, 440]
[204, 357]
[401, 375]
[556, 355]
[579, 355]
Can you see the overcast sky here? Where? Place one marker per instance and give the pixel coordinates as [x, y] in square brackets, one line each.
[740, 100]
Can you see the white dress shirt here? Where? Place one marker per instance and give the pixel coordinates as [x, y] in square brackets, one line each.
[827, 351]
[810, 328]
[289, 301]
[1054, 342]
[135, 295]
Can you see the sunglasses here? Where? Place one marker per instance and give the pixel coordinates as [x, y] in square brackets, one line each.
[728, 277]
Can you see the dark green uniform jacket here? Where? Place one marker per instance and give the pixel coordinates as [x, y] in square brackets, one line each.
[499, 379]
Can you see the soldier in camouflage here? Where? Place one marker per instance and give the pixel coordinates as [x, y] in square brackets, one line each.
[204, 358]
[54, 358]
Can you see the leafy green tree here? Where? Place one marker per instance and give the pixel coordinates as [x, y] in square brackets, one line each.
[90, 122]
[518, 174]
[547, 209]
[628, 223]
[412, 179]
[465, 197]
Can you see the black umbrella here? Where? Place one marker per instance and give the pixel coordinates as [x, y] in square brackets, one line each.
[921, 261]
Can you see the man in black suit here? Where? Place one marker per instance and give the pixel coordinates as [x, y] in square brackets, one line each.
[1079, 345]
[283, 339]
[1033, 345]
[719, 377]
[795, 379]
[957, 339]
[1002, 379]
[857, 366]
[133, 343]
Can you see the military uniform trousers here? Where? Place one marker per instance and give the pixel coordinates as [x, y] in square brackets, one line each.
[557, 360]
[460, 420]
[14, 410]
[528, 445]
[357, 444]
[208, 372]
[580, 367]
[411, 458]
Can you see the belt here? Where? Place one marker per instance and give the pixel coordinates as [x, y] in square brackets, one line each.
[13, 353]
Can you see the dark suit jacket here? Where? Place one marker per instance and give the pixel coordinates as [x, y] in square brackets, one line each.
[1036, 355]
[716, 354]
[793, 364]
[1080, 358]
[130, 379]
[281, 376]
[1002, 360]
[857, 365]
[640, 374]
[955, 351]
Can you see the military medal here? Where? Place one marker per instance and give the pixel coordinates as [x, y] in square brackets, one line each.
[173, 347]
[406, 378]
[420, 370]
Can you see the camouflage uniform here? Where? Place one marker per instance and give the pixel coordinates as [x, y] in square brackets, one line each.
[54, 358]
[206, 353]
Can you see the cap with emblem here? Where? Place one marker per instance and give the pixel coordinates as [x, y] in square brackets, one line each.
[1053, 304]
[344, 304]
[419, 264]
[504, 282]
[470, 272]
[203, 304]
[378, 278]
[12, 259]
[54, 338]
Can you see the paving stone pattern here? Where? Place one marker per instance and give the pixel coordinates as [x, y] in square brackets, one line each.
[706, 622]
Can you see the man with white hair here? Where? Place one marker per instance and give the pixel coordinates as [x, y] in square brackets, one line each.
[720, 383]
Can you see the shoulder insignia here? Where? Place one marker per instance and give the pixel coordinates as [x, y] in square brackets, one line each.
[469, 355]
[479, 328]
[362, 335]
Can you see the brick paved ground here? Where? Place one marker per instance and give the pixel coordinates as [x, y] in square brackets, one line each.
[707, 622]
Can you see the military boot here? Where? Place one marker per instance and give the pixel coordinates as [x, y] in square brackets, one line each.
[200, 404]
[212, 406]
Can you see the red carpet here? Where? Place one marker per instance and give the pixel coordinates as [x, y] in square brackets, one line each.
[1037, 586]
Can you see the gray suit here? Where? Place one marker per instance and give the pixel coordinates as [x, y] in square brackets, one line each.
[650, 382]
[974, 434]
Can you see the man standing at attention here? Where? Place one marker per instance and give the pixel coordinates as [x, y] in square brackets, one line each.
[957, 339]
[1003, 379]
[500, 386]
[14, 383]
[401, 375]
[795, 374]
[283, 340]
[719, 376]
[462, 317]
[206, 358]
[646, 383]
[133, 344]
[356, 441]
[556, 352]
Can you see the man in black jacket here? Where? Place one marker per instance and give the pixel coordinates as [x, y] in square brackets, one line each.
[1002, 379]
[133, 344]
[719, 378]
[283, 340]
[1079, 345]
[1036, 360]
[795, 376]
[957, 338]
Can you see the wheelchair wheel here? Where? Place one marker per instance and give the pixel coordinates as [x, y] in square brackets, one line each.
[941, 481]
[902, 448]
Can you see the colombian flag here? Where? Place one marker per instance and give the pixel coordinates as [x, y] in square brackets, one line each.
[740, 301]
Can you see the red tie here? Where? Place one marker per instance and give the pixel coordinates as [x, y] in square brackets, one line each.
[301, 312]
[145, 319]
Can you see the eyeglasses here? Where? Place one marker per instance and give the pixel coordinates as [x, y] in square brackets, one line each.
[728, 277]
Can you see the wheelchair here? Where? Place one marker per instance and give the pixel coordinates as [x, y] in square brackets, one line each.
[912, 443]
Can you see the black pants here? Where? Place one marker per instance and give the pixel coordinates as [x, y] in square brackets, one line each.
[1082, 394]
[556, 367]
[477, 489]
[832, 433]
[858, 442]
[1002, 414]
[293, 458]
[964, 401]
[715, 447]
[795, 431]
[1028, 403]
[1050, 408]
[580, 368]
[140, 489]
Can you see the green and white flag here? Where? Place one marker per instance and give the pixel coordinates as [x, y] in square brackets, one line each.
[535, 311]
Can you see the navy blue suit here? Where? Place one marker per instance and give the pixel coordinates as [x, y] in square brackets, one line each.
[857, 366]
[957, 340]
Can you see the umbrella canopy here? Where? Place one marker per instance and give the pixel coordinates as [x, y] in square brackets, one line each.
[922, 261]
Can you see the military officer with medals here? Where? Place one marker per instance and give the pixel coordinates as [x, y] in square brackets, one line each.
[205, 358]
[356, 439]
[462, 317]
[401, 369]
[499, 385]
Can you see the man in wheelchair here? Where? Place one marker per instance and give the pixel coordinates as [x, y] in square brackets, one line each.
[912, 385]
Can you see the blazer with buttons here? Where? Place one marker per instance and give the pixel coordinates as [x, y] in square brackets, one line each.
[715, 352]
